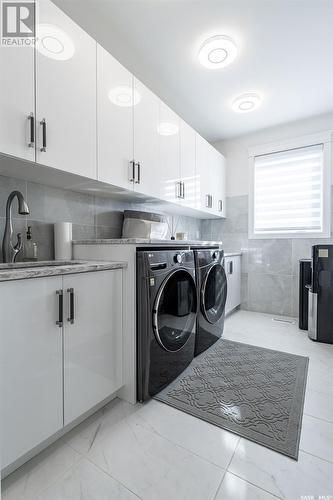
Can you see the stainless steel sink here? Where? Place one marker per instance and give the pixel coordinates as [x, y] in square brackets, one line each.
[47, 263]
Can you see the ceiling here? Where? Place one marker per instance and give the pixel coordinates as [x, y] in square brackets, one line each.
[285, 54]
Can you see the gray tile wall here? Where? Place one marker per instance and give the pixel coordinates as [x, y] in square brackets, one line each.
[92, 216]
[270, 267]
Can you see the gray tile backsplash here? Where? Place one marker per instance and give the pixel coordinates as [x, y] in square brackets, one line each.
[92, 216]
[270, 267]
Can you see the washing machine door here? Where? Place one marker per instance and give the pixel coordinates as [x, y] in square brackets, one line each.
[174, 312]
[214, 293]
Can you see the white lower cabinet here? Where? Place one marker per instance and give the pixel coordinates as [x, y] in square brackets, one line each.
[232, 267]
[61, 354]
[31, 365]
[93, 342]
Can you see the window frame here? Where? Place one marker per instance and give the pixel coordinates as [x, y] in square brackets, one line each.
[324, 138]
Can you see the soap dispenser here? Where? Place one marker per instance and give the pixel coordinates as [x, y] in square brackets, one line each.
[30, 248]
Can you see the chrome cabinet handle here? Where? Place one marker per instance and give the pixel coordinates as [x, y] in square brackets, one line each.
[60, 308]
[231, 267]
[177, 185]
[220, 206]
[43, 124]
[138, 177]
[209, 201]
[131, 176]
[31, 119]
[71, 305]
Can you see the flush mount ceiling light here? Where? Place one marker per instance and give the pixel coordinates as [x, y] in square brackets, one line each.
[217, 52]
[53, 42]
[123, 95]
[167, 128]
[246, 102]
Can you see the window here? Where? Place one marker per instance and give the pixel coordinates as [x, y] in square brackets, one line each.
[290, 190]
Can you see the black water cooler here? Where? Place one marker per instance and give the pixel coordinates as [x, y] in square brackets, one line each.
[304, 283]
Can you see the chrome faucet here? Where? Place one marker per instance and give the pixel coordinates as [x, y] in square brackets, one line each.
[9, 251]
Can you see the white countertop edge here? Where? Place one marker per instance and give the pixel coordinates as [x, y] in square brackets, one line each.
[40, 272]
[144, 241]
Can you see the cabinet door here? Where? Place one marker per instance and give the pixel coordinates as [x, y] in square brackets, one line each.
[203, 174]
[218, 182]
[187, 164]
[233, 273]
[65, 93]
[146, 121]
[93, 343]
[17, 101]
[115, 103]
[168, 164]
[31, 365]
[222, 209]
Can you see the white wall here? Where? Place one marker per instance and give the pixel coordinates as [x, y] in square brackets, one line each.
[236, 150]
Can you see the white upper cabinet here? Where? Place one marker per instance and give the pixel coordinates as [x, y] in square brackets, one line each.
[170, 188]
[219, 176]
[70, 105]
[210, 176]
[17, 104]
[114, 121]
[203, 174]
[217, 181]
[65, 93]
[187, 165]
[146, 140]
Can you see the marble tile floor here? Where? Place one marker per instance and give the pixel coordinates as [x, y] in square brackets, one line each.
[154, 452]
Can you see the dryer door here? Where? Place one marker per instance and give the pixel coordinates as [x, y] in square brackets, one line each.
[174, 312]
[214, 293]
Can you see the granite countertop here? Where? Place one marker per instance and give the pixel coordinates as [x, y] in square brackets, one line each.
[232, 254]
[144, 241]
[25, 270]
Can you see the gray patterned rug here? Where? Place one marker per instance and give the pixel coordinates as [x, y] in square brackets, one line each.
[254, 392]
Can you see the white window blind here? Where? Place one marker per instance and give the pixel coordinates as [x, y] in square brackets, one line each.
[288, 191]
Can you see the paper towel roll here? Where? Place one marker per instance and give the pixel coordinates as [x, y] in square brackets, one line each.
[63, 240]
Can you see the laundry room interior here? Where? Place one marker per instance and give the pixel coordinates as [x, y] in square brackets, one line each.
[166, 250]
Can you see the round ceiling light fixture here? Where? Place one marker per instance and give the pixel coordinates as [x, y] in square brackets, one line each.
[217, 52]
[167, 128]
[124, 96]
[54, 43]
[246, 102]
